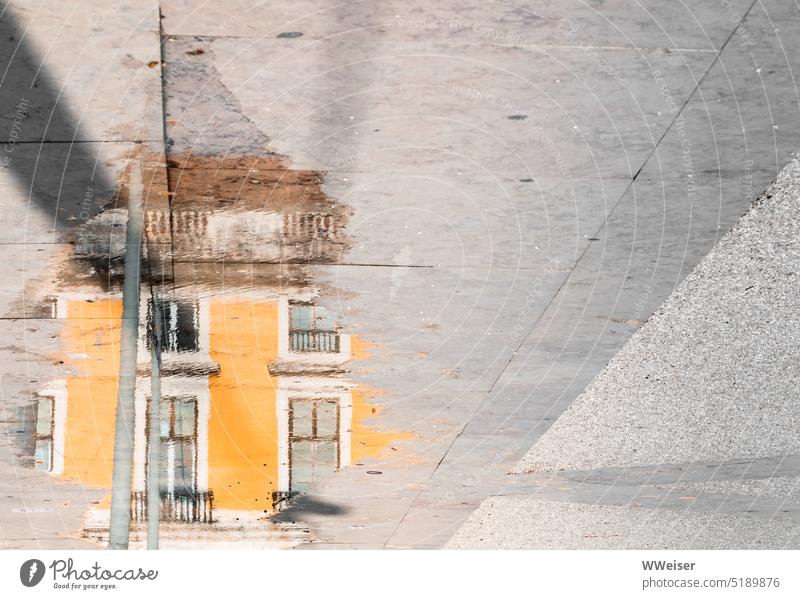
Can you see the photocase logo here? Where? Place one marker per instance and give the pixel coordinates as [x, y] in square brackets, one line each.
[31, 572]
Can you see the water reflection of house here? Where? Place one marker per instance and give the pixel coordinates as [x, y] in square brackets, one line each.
[255, 407]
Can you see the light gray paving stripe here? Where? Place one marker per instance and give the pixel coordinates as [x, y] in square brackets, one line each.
[524, 522]
[690, 472]
[678, 497]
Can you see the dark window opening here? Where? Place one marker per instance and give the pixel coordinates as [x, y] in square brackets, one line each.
[179, 324]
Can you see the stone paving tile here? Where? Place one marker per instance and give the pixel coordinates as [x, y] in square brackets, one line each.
[723, 184]
[437, 324]
[472, 222]
[53, 192]
[428, 528]
[693, 395]
[782, 487]
[340, 546]
[681, 496]
[40, 512]
[523, 522]
[684, 473]
[28, 275]
[86, 71]
[357, 108]
[646, 24]
[744, 114]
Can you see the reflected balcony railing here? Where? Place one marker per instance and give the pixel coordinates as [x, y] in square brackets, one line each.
[309, 226]
[307, 341]
[176, 507]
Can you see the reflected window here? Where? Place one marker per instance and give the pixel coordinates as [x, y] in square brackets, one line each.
[313, 441]
[45, 421]
[312, 329]
[181, 500]
[178, 455]
[179, 324]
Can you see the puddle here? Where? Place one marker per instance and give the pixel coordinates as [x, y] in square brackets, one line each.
[257, 409]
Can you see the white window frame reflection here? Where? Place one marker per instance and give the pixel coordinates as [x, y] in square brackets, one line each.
[288, 359]
[293, 389]
[54, 396]
[170, 441]
[173, 386]
[43, 434]
[307, 430]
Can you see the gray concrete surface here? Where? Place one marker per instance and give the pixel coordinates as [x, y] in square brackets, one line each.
[780, 487]
[515, 522]
[712, 375]
[80, 95]
[693, 419]
[525, 183]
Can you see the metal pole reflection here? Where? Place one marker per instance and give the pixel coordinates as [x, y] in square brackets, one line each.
[154, 437]
[119, 528]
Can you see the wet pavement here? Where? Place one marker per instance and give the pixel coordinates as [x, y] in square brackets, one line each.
[391, 242]
[687, 439]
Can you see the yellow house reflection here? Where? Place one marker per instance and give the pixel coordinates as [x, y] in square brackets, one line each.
[255, 407]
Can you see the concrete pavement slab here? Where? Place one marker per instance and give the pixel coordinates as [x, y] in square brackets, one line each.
[616, 24]
[472, 191]
[83, 71]
[780, 487]
[710, 376]
[53, 193]
[502, 96]
[519, 522]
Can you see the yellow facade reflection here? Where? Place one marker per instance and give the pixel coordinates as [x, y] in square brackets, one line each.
[255, 405]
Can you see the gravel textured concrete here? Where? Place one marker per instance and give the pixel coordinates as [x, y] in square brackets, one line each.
[516, 522]
[686, 440]
[713, 375]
